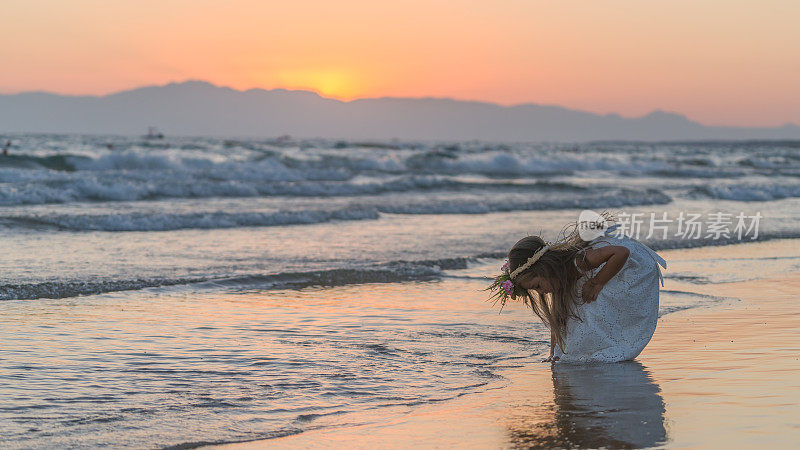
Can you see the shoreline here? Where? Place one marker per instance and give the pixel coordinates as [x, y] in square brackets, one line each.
[721, 375]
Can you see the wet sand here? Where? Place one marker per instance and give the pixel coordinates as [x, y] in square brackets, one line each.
[723, 376]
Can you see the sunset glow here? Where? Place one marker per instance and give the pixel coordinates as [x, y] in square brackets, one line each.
[717, 62]
[335, 83]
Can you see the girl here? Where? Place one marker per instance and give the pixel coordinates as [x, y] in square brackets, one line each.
[599, 298]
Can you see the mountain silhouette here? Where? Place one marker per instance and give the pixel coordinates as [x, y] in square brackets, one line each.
[199, 108]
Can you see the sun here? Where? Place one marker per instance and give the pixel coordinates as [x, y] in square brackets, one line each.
[335, 83]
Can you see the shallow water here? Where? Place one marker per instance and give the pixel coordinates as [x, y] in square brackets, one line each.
[169, 366]
[161, 368]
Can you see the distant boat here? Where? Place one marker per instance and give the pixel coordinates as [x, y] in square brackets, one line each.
[153, 133]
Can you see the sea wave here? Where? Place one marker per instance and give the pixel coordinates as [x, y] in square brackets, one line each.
[747, 192]
[165, 221]
[364, 210]
[597, 199]
[72, 172]
[57, 188]
[75, 288]
[381, 273]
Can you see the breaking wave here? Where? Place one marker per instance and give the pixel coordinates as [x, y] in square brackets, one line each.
[58, 171]
[142, 221]
[59, 189]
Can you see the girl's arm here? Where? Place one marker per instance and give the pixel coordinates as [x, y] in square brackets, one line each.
[614, 257]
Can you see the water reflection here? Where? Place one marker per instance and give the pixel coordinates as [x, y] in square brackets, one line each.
[602, 405]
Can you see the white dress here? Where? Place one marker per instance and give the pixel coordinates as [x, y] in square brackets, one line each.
[620, 322]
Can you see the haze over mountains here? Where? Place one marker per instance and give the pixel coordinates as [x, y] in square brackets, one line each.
[198, 108]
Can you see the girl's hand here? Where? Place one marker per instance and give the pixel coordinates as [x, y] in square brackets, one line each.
[552, 348]
[613, 256]
[590, 290]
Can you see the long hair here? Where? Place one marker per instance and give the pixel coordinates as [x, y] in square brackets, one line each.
[557, 267]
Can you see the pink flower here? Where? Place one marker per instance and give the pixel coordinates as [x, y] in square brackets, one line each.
[508, 286]
[505, 267]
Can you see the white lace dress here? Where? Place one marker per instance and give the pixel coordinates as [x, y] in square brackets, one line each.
[619, 324]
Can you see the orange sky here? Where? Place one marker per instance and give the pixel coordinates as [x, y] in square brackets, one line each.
[717, 61]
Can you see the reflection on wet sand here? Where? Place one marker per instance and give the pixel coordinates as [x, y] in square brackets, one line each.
[599, 405]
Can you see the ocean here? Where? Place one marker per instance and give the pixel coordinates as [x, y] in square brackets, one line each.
[184, 291]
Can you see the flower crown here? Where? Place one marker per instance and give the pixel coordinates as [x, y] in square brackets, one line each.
[503, 284]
